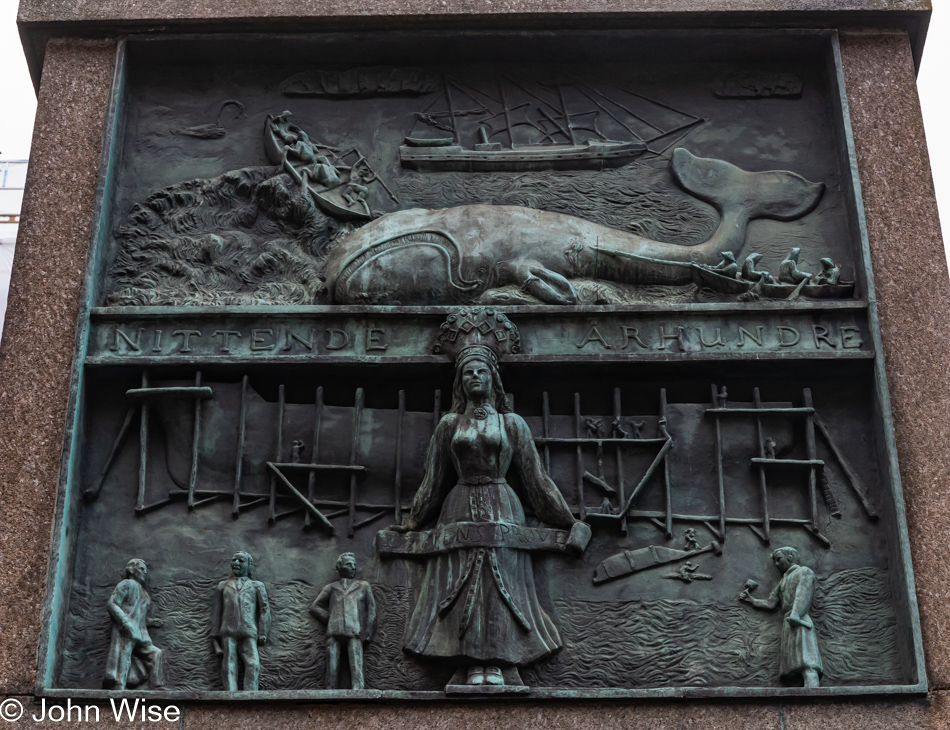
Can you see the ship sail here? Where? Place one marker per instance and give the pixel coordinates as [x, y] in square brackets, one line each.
[534, 125]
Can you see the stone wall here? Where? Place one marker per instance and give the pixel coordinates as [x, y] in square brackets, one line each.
[913, 292]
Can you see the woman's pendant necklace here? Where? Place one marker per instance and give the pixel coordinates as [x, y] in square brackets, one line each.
[480, 412]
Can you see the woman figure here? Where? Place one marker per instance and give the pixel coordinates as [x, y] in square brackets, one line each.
[478, 605]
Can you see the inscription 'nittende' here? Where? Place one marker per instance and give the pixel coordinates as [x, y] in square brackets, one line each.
[617, 336]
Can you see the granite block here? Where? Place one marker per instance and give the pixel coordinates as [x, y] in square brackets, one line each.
[930, 713]
[33, 11]
[37, 349]
[39, 335]
[913, 293]
[550, 716]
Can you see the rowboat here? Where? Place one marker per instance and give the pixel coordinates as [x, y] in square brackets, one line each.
[330, 199]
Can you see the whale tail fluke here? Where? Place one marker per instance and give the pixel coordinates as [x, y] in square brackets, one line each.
[777, 194]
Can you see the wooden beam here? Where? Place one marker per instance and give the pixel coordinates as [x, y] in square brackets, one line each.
[143, 448]
[195, 444]
[722, 488]
[239, 461]
[354, 457]
[321, 519]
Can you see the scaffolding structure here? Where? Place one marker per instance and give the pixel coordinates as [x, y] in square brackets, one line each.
[284, 498]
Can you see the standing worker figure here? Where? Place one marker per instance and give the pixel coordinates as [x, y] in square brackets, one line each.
[240, 618]
[800, 658]
[348, 609]
[133, 658]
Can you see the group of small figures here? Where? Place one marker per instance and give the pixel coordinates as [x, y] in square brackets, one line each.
[310, 160]
[595, 428]
[788, 271]
[240, 620]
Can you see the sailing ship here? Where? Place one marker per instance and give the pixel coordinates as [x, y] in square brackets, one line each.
[524, 125]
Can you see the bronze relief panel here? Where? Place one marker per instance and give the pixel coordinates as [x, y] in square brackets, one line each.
[524, 365]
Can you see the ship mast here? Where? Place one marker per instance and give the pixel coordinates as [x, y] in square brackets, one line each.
[567, 117]
[504, 104]
[448, 99]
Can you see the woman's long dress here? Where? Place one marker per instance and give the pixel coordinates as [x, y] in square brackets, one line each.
[480, 604]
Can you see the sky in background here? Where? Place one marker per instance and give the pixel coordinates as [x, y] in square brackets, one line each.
[18, 103]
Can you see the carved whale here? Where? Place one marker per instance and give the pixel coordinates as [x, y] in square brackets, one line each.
[454, 255]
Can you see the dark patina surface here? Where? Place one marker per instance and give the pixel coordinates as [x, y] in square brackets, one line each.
[279, 301]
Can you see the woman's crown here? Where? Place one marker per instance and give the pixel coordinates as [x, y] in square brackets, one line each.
[484, 328]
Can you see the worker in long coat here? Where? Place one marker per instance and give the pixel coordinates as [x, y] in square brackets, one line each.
[800, 658]
[133, 658]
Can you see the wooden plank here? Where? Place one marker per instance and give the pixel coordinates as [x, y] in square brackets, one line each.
[320, 467]
[599, 483]
[146, 508]
[582, 508]
[546, 430]
[804, 463]
[371, 518]
[397, 487]
[307, 504]
[195, 443]
[143, 448]
[618, 413]
[145, 393]
[280, 447]
[93, 492]
[763, 486]
[290, 513]
[585, 440]
[720, 534]
[667, 488]
[853, 479]
[813, 531]
[315, 453]
[722, 487]
[656, 514]
[812, 452]
[206, 501]
[646, 477]
[239, 460]
[354, 456]
[801, 412]
[264, 496]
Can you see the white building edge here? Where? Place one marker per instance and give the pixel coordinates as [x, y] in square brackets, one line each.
[12, 179]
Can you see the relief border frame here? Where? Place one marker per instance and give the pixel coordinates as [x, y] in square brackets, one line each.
[63, 534]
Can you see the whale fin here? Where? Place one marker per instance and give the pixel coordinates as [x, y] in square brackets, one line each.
[541, 282]
[777, 194]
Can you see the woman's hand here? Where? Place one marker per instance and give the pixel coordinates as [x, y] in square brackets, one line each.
[409, 525]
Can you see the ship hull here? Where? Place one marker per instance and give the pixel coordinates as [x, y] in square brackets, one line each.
[454, 158]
